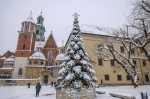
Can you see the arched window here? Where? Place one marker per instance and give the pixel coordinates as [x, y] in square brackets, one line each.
[49, 56]
[41, 63]
[36, 62]
[20, 71]
[23, 47]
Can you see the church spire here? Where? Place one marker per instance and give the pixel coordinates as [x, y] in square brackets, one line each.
[30, 19]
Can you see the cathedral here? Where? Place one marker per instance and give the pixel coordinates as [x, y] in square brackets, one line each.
[35, 59]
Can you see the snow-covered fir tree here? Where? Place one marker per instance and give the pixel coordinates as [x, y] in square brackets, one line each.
[76, 70]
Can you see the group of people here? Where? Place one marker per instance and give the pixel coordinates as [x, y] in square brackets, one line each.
[53, 83]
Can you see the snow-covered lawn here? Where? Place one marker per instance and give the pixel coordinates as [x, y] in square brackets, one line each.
[22, 92]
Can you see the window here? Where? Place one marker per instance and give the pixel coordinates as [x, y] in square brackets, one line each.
[49, 56]
[39, 20]
[132, 51]
[106, 77]
[119, 77]
[25, 37]
[100, 62]
[146, 78]
[144, 63]
[122, 49]
[141, 50]
[23, 48]
[128, 77]
[134, 62]
[37, 32]
[30, 62]
[20, 71]
[36, 62]
[41, 63]
[112, 62]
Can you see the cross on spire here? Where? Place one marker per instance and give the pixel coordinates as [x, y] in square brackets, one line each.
[75, 15]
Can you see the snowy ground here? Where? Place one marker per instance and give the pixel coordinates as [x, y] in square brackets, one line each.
[22, 92]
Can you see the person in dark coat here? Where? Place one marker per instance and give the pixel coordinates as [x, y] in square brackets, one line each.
[52, 84]
[101, 82]
[38, 87]
[28, 85]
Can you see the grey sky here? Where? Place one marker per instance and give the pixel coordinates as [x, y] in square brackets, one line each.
[57, 17]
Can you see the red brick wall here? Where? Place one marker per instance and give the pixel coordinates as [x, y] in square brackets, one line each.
[50, 45]
[29, 45]
[54, 54]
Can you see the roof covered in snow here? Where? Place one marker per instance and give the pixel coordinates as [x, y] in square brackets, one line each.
[39, 44]
[91, 29]
[11, 58]
[60, 57]
[37, 55]
[3, 58]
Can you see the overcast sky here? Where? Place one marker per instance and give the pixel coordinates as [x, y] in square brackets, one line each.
[58, 17]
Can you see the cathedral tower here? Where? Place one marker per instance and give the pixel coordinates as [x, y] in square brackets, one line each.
[25, 47]
[40, 30]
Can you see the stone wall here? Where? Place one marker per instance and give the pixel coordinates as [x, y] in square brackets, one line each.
[18, 82]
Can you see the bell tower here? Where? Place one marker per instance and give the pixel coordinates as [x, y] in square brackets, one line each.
[40, 30]
[25, 46]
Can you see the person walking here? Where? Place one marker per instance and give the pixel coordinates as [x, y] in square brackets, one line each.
[29, 85]
[38, 88]
[101, 82]
[52, 84]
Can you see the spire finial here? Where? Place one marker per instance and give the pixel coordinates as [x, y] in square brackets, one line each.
[62, 43]
[30, 19]
[75, 15]
[41, 12]
[31, 13]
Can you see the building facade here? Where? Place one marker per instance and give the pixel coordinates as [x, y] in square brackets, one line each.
[110, 72]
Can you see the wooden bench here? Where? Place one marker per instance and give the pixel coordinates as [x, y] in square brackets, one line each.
[122, 96]
[100, 92]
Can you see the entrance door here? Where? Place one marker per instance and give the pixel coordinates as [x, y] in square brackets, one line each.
[45, 79]
[147, 78]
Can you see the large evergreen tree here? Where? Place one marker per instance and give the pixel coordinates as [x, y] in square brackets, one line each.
[76, 70]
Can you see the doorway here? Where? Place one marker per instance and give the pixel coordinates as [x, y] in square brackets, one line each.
[45, 80]
[147, 78]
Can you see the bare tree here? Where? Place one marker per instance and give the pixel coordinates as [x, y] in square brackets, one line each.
[122, 56]
[136, 35]
[139, 23]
